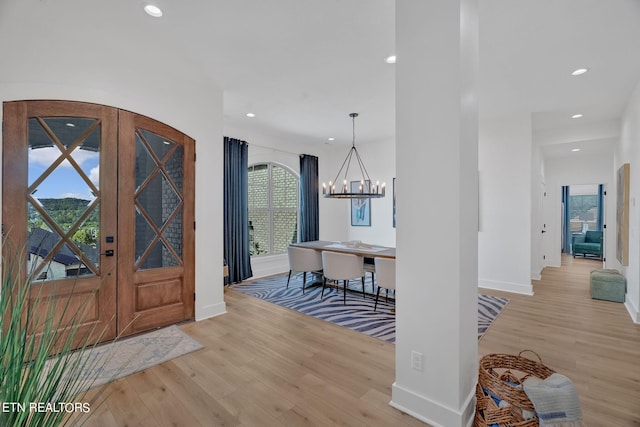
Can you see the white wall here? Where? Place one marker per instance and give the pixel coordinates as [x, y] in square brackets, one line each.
[574, 170]
[40, 62]
[504, 240]
[628, 151]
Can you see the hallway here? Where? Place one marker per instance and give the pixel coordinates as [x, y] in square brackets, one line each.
[594, 343]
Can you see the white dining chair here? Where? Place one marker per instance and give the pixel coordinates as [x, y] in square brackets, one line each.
[302, 260]
[341, 266]
[386, 273]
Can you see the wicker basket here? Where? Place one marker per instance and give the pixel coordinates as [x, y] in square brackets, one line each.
[502, 375]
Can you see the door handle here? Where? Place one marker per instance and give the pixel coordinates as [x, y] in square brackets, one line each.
[108, 252]
[544, 231]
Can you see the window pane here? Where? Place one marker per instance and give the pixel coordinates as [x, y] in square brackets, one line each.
[258, 186]
[273, 209]
[258, 232]
[284, 187]
[584, 212]
[285, 230]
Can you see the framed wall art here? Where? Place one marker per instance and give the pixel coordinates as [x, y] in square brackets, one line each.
[360, 208]
[622, 214]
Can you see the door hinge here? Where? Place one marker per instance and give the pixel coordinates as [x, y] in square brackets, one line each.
[544, 257]
[194, 156]
[604, 226]
[194, 225]
[194, 296]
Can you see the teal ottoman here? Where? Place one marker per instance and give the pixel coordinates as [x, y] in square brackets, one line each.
[608, 285]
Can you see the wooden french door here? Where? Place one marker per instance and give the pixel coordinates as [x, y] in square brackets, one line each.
[98, 212]
[156, 191]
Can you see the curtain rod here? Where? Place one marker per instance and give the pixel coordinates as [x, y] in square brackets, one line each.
[274, 149]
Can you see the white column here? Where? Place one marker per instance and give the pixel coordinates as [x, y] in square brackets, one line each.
[437, 210]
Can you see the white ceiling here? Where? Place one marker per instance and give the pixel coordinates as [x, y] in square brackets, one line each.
[303, 65]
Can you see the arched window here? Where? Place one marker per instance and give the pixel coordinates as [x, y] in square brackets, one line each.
[273, 209]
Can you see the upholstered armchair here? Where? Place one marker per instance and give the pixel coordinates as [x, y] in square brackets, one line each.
[589, 243]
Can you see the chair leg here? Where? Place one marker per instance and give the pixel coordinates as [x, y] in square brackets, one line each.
[288, 278]
[345, 291]
[363, 294]
[324, 283]
[377, 296]
[304, 280]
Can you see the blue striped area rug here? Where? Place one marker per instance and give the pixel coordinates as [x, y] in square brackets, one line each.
[358, 313]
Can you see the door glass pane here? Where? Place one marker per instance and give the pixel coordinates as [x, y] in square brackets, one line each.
[144, 236]
[68, 129]
[159, 257]
[144, 162]
[173, 234]
[64, 197]
[158, 201]
[158, 144]
[173, 167]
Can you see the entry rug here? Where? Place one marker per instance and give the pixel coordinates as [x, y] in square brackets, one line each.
[358, 313]
[108, 362]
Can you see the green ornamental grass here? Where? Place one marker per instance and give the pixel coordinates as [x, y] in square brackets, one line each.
[44, 378]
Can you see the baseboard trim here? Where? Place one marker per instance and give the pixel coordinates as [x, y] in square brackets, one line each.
[439, 415]
[497, 285]
[633, 310]
[212, 310]
[269, 265]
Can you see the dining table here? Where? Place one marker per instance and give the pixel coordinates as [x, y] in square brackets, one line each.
[351, 247]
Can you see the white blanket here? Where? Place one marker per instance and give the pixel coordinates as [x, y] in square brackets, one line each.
[556, 401]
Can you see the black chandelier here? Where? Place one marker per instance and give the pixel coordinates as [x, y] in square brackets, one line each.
[365, 190]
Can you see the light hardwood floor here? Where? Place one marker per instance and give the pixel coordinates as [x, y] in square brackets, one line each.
[263, 365]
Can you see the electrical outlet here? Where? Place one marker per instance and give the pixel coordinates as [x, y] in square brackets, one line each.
[416, 360]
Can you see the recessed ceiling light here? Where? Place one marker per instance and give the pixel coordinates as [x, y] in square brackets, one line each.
[153, 11]
[331, 139]
[250, 115]
[579, 71]
[576, 116]
[390, 59]
[575, 149]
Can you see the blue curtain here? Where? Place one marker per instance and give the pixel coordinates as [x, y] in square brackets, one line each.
[600, 220]
[236, 209]
[309, 206]
[566, 215]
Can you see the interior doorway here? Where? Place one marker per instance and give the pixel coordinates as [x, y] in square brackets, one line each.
[98, 210]
[583, 217]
